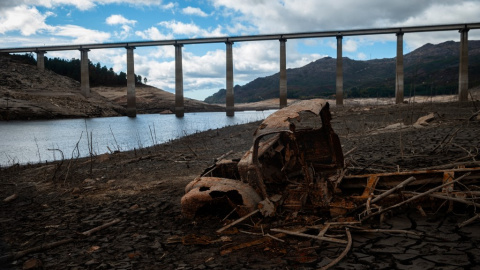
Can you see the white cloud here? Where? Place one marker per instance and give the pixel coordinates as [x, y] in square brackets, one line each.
[79, 4]
[153, 33]
[168, 6]
[273, 16]
[80, 34]
[119, 19]
[349, 45]
[191, 29]
[27, 20]
[194, 11]
[361, 56]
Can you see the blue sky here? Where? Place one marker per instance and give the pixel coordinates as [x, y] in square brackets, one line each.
[57, 22]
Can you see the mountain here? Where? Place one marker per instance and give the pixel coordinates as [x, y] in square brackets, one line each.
[428, 70]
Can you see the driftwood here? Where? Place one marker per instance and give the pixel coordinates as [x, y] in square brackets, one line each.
[448, 198]
[468, 221]
[19, 254]
[390, 191]
[320, 238]
[344, 252]
[360, 229]
[237, 221]
[416, 196]
[101, 227]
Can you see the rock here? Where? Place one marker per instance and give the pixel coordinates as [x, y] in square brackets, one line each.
[424, 120]
[10, 198]
[89, 181]
[32, 263]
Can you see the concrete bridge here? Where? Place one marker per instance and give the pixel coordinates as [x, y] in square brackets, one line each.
[282, 38]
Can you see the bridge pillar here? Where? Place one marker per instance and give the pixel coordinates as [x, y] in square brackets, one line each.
[399, 77]
[339, 84]
[229, 78]
[84, 75]
[179, 108]
[283, 73]
[41, 60]
[463, 67]
[131, 99]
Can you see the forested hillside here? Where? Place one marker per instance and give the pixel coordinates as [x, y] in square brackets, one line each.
[99, 76]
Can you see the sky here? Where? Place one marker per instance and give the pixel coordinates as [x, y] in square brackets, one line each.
[26, 23]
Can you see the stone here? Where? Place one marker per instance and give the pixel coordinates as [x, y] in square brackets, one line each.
[32, 263]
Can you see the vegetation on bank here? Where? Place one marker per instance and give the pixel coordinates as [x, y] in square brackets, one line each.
[99, 76]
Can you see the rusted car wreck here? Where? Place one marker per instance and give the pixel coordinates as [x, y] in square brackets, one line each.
[294, 153]
[296, 164]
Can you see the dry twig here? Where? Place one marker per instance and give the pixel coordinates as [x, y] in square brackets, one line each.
[237, 221]
[344, 253]
[416, 196]
[328, 239]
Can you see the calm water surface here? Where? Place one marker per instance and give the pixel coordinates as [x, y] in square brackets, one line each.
[36, 141]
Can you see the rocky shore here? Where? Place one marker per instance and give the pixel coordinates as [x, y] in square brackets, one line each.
[137, 194]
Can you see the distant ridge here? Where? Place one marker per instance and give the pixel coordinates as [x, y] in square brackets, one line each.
[429, 70]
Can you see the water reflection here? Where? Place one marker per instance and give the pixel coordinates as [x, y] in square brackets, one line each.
[37, 141]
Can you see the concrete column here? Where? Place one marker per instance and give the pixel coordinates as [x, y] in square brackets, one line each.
[179, 109]
[283, 73]
[85, 80]
[229, 77]
[399, 77]
[339, 92]
[41, 60]
[463, 67]
[131, 99]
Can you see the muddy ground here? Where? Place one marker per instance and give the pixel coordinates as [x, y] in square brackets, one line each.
[142, 188]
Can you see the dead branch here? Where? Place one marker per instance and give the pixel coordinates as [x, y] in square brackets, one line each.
[448, 198]
[19, 254]
[224, 155]
[360, 229]
[343, 254]
[390, 191]
[324, 230]
[237, 221]
[473, 116]
[192, 150]
[452, 165]
[99, 228]
[274, 238]
[349, 152]
[444, 142]
[468, 221]
[417, 196]
[386, 193]
[328, 239]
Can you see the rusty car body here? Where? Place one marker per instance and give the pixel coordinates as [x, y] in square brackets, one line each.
[295, 151]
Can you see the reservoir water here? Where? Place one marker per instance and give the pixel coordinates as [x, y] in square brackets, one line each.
[39, 141]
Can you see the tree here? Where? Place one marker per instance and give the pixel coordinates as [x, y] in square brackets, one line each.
[145, 80]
